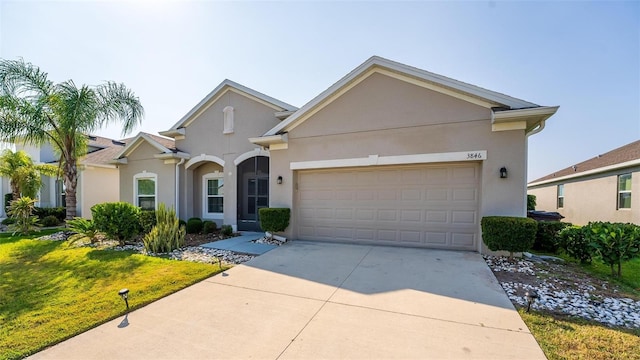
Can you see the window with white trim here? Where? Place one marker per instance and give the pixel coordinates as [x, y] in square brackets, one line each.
[560, 196]
[213, 194]
[624, 191]
[145, 190]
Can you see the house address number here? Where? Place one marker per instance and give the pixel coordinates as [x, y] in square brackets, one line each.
[474, 155]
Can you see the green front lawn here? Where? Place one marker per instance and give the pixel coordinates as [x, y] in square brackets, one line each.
[50, 291]
[562, 337]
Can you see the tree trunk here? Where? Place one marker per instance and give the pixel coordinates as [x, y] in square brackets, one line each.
[70, 182]
[613, 272]
[620, 269]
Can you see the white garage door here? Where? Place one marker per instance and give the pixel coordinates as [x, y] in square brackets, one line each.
[427, 205]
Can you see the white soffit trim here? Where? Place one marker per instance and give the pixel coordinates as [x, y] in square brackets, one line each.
[375, 160]
[589, 172]
[533, 118]
[267, 141]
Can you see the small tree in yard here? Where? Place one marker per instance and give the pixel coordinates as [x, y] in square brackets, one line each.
[21, 211]
[614, 243]
[508, 233]
[274, 220]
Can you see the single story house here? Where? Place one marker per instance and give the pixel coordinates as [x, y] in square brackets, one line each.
[603, 188]
[389, 154]
[98, 178]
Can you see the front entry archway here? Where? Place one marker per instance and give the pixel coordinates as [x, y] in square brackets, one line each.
[253, 191]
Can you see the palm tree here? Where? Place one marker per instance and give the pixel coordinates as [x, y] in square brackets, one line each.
[23, 174]
[34, 110]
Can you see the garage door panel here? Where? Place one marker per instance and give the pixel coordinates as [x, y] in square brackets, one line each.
[436, 216]
[387, 215]
[463, 217]
[436, 238]
[427, 205]
[462, 239]
[411, 195]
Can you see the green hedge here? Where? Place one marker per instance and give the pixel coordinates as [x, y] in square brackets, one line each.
[274, 219]
[118, 220]
[194, 226]
[59, 212]
[209, 227]
[574, 242]
[547, 239]
[531, 202]
[508, 233]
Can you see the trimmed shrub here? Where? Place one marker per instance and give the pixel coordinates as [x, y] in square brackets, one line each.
[49, 221]
[547, 236]
[83, 229]
[574, 242]
[531, 202]
[117, 220]
[147, 220]
[274, 219]
[508, 233]
[59, 212]
[226, 230]
[614, 243]
[194, 226]
[182, 223]
[167, 235]
[209, 227]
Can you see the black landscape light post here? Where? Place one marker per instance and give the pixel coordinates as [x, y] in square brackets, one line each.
[531, 296]
[124, 294]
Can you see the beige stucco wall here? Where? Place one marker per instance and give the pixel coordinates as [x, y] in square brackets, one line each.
[198, 186]
[204, 135]
[591, 198]
[142, 160]
[97, 185]
[384, 116]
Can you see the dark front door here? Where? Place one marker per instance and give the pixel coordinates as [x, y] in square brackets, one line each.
[253, 191]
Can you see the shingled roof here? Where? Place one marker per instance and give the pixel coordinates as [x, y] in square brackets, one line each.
[101, 150]
[621, 155]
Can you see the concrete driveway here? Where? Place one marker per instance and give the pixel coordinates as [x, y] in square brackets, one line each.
[321, 300]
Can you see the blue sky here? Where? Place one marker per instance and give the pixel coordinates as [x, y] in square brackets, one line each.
[583, 56]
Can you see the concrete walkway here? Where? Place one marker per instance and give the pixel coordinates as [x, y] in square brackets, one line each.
[308, 300]
[242, 244]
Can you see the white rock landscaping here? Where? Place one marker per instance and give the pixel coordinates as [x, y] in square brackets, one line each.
[569, 297]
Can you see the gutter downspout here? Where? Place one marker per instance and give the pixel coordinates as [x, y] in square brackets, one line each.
[177, 204]
[526, 165]
[537, 129]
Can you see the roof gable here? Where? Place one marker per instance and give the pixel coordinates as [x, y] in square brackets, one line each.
[219, 91]
[163, 145]
[375, 64]
[627, 155]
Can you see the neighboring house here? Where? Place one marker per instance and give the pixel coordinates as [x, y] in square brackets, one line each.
[604, 188]
[98, 179]
[389, 154]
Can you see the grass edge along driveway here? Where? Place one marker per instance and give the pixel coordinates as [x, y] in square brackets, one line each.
[51, 291]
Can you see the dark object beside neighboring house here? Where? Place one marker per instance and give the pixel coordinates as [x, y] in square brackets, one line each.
[544, 215]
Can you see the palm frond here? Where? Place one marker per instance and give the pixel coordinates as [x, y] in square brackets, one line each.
[22, 79]
[119, 103]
